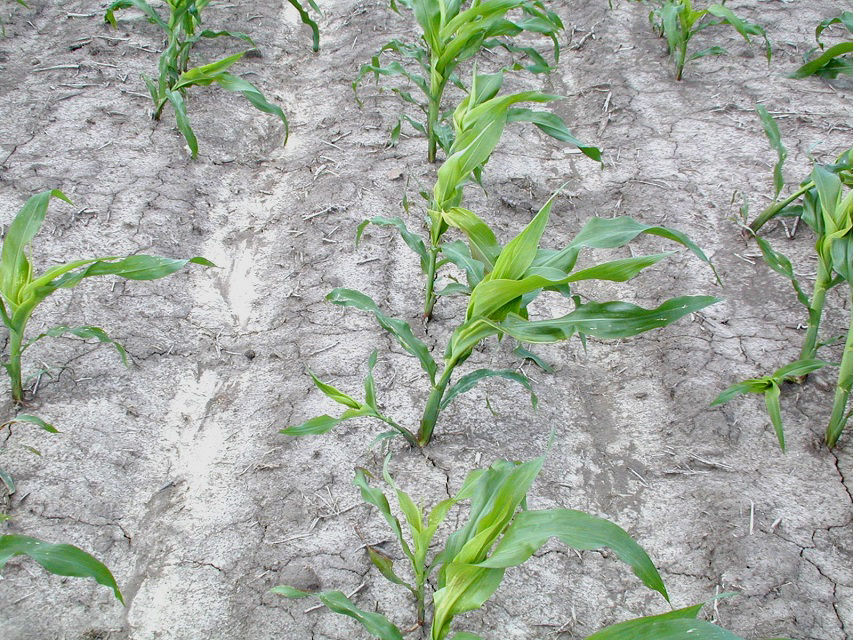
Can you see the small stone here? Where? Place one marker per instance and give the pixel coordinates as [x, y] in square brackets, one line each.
[250, 354]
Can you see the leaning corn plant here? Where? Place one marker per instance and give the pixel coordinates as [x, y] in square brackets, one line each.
[679, 22]
[501, 282]
[21, 291]
[454, 31]
[57, 558]
[479, 122]
[499, 533]
[175, 76]
[827, 208]
[831, 61]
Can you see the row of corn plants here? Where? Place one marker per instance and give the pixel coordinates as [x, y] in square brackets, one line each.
[499, 282]
[21, 292]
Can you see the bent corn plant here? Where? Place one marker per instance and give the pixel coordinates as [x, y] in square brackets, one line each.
[175, 76]
[497, 535]
[21, 291]
[679, 22]
[454, 31]
[479, 122]
[502, 281]
[827, 208]
[832, 61]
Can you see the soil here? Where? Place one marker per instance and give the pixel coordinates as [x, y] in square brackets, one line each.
[173, 472]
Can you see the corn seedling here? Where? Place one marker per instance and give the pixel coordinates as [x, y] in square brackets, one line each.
[499, 533]
[679, 22]
[57, 558]
[175, 76]
[827, 208]
[479, 121]
[501, 282]
[21, 291]
[834, 60]
[454, 31]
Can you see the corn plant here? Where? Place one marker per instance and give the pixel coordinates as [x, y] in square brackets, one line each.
[834, 60]
[21, 291]
[175, 76]
[681, 624]
[827, 208]
[468, 572]
[479, 122]
[679, 22]
[57, 558]
[501, 282]
[454, 31]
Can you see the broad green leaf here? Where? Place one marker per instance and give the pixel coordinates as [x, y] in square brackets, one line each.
[743, 27]
[35, 420]
[751, 386]
[334, 394]
[526, 354]
[681, 624]
[608, 320]
[772, 131]
[324, 423]
[464, 635]
[553, 126]
[799, 368]
[182, 121]
[15, 268]
[517, 256]
[385, 566]
[530, 529]
[59, 559]
[376, 497]
[142, 5]
[708, 51]
[413, 241]
[772, 402]
[818, 64]
[782, 265]
[85, 333]
[466, 383]
[398, 328]
[375, 623]
[369, 382]
[249, 91]
[305, 18]
[483, 243]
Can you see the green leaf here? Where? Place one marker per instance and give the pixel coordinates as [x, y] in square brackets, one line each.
[708, 51]
[483, 243]
[772, 131]
[376, 497]
[553, 126]
[334, 394]
[375, 623]
[324, 423]
[143, 6]
[398, 328]
[305, 18]
[782, 265]
[772, 402]
[182, 121]
[59, 559]
[530, 530]
[15, 268]
[743, 27]
[85, 333]
[517, 256]
[464, 635]
[9, 482]
[675, 625]
[35, 420]
[385, 565]
[608, 320]
[526, 354]
[466, 383]
[413, 241]
[818, 64]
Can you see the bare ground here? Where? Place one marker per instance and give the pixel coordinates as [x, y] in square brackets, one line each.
[173, 472]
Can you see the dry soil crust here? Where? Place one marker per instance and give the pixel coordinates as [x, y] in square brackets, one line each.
[173, 472]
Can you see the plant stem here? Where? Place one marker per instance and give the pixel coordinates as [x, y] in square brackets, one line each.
[838, 417]
[816, 306]
[408, 434]
[430, 277]
[13, 367]
[433, 113]
[776, 207]
[432, 408]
